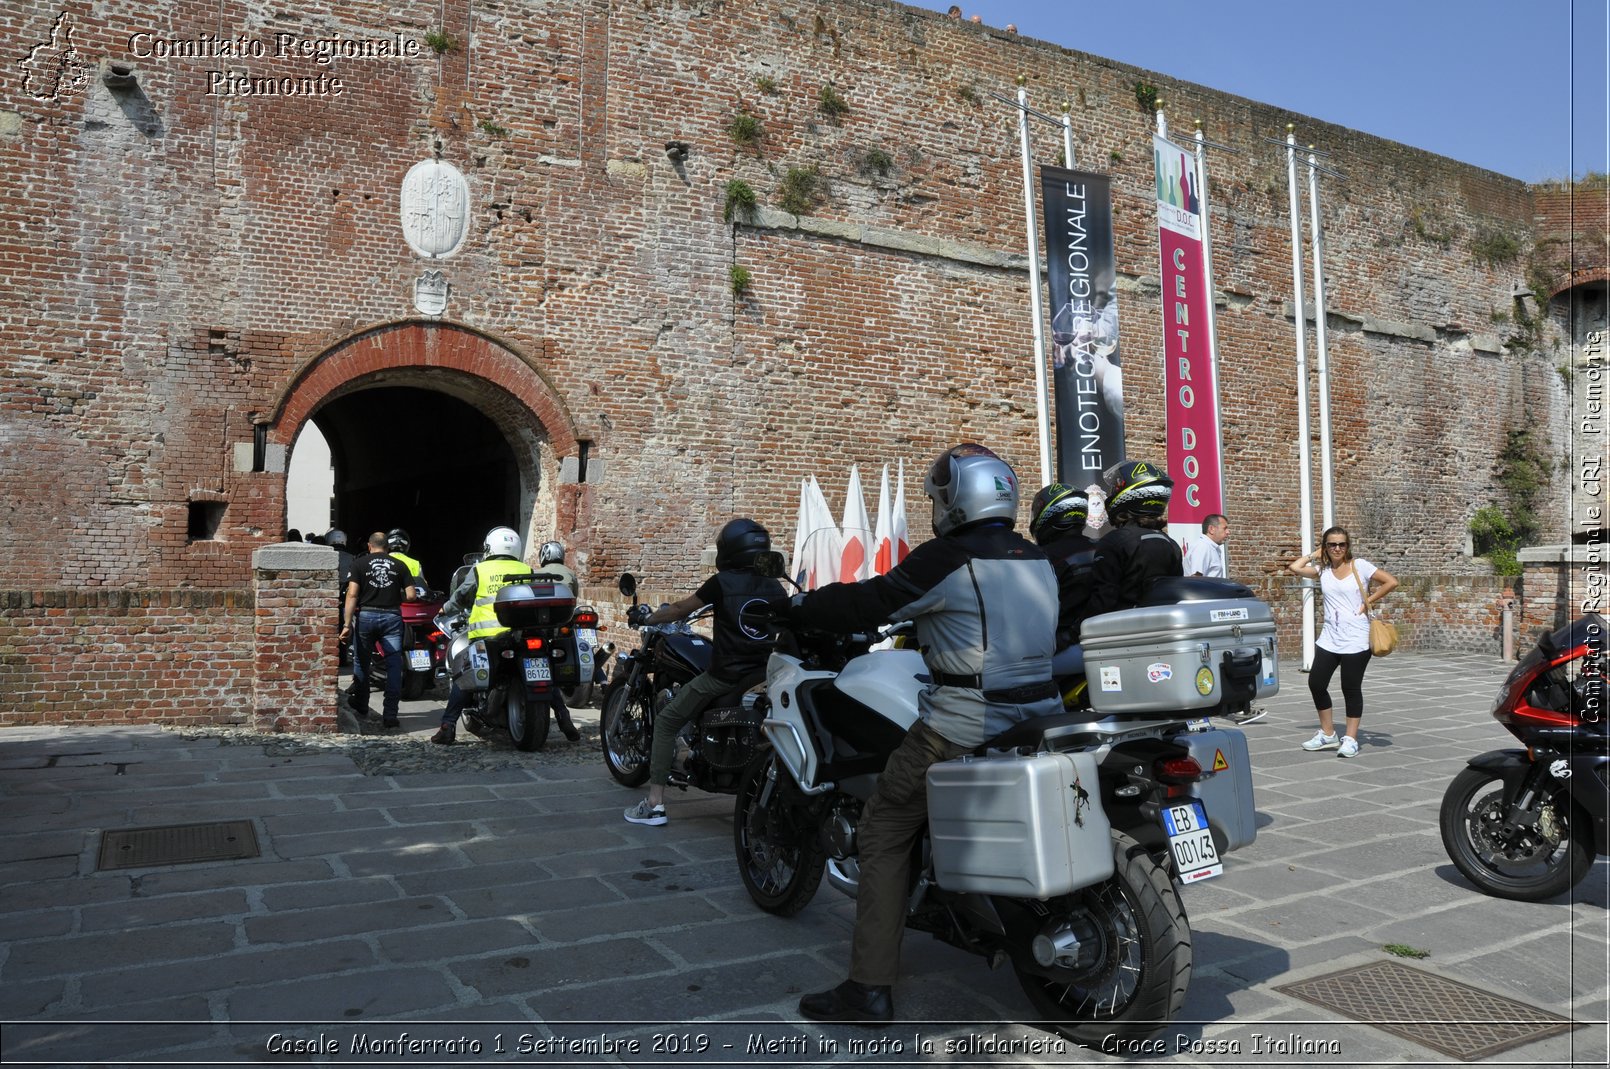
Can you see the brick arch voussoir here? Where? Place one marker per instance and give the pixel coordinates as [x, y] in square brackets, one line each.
[422, 345]
[1579, 278]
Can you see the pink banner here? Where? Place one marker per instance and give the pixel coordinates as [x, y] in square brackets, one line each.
[1190, 373]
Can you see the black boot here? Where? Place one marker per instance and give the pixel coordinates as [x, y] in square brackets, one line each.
[850, 1002]
[561, 716]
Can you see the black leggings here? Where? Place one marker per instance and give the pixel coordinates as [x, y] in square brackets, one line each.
[1353, 665]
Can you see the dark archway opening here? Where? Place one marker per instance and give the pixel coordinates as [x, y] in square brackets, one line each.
[424, 461]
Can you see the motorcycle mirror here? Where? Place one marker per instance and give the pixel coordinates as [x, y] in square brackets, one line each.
[472, 558]
[770, 565]
[628, 585]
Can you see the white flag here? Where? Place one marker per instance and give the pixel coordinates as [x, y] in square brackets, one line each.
[882, 534]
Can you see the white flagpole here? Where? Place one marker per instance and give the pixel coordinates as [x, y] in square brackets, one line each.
[1304, 475]
[1041, 394]
[1067, 135]
[1326, 489]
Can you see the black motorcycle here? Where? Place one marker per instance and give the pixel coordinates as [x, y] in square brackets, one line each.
[715, 747]
[1526, 824]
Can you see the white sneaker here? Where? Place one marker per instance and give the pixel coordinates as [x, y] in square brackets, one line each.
[1349, 747]
[1322, 741]
[643, 813]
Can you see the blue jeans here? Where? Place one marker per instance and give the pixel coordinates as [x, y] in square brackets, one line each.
[385, 628]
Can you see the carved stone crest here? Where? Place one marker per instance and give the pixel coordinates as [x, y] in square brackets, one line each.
[430, 293]
[435, 209]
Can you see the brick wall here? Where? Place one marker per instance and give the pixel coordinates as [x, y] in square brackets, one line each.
[195, 265]
[126, 656]
[293, 633]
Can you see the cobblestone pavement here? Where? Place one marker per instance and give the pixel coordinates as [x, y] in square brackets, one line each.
[475, 895]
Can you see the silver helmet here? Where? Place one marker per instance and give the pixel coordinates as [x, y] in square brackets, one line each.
[551, 553]
[968, 483]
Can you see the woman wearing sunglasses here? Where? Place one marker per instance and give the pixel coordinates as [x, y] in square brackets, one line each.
[1350, 585]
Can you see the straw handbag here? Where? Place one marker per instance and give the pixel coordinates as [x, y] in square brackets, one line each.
[1383, 634]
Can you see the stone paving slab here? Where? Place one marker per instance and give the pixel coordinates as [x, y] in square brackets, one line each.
[519, 903]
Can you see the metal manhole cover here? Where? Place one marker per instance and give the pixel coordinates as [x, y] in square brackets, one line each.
[1445, 1015]
[177, 844]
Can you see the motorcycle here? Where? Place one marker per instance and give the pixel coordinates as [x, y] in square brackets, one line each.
[1060, 847]
[715, 747]
[1526, 824]
[508, 678]
[582, 666]
[424, 646]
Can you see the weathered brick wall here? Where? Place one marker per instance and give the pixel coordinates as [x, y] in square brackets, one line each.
[294, 641]
[126, 656]
[184, 261]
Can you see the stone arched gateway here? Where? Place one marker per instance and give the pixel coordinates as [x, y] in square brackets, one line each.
[487, 375]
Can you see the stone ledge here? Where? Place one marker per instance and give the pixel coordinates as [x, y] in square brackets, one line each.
[294, 557]
[1572, 554]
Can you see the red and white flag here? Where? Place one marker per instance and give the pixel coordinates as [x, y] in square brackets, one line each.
[855, 553]
[882, 534]
[899, 531]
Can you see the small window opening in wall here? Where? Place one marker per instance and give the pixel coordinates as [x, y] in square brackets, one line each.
[260, 447]
[205, 519]
[583, 447]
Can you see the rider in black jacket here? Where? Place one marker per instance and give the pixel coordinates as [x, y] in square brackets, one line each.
[1057, 522]
[1138, 552]
[983, 601]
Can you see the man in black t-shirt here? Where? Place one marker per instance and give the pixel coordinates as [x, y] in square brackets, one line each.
[739, 654]
[376, 588]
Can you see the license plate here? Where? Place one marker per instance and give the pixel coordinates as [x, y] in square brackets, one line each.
[537, 670]
[1195, 857]
[419, 660]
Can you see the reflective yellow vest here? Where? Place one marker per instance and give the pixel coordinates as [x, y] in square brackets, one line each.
[491, 576]
[408, 562]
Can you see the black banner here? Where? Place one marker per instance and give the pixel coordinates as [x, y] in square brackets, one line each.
[1086, 367]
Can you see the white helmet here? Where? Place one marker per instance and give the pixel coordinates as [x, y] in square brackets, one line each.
[501, 542]
[968, 483]
[551, 553]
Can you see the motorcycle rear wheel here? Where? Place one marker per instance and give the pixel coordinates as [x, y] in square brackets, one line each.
[413, 685]
[528, 719]
[780, 857]
[1139, 955]
[1525, 864]
[624, 733]
[580, 696]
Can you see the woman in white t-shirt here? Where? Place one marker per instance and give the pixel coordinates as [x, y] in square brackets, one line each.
[1348, 584]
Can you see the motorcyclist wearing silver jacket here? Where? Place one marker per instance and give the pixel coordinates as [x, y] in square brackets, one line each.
[984, 602]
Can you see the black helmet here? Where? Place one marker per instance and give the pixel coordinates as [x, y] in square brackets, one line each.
[1138, 488]
[1057, 512]
[397, 540]
[739, 543]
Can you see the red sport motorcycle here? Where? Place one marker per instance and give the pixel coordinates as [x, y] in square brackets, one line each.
[1526, 824]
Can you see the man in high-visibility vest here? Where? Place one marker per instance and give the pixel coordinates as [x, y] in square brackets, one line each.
[398, 543]
[476, 595]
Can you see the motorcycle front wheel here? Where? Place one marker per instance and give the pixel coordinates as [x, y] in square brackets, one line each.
[528, 719]
[626, 734]
[780, 856]
[1133, 963]
[1540, 856]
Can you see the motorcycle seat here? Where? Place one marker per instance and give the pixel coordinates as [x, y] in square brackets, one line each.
[1069, 661]
[1173, 589]
[1030, 732]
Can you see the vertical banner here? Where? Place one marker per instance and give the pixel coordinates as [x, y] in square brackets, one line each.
[1088, 373]
[1189, 373]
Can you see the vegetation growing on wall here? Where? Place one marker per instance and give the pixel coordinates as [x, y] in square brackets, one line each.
[1498, 530]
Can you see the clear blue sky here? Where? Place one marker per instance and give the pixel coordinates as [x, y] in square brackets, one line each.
[1487, 82]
